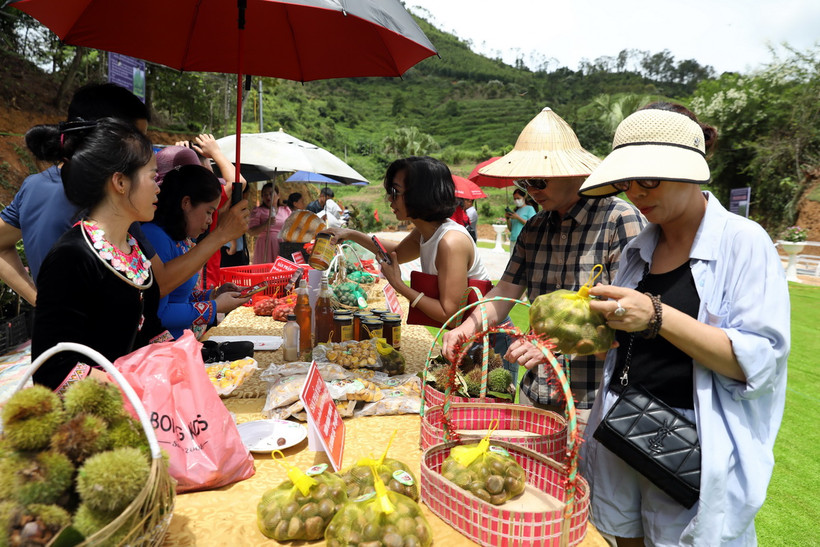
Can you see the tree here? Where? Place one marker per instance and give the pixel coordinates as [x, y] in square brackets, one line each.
[409, 141]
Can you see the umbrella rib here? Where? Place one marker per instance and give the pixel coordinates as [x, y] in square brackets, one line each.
[189, 41]
[296, 49]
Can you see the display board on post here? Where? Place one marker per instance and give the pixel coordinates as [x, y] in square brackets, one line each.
[326, 430]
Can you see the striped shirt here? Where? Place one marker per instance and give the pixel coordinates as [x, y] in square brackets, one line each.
[554, 252]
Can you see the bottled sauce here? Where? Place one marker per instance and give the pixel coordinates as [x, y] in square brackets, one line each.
[391, 329]
[323, 251]
[290, 349]
[323, 314]
[304, 319]
[357, 320]
[379, 312]
[370, 328]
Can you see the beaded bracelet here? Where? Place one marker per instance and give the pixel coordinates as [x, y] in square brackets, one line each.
[654, 326]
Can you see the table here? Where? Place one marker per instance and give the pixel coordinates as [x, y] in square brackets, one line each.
[227, 516]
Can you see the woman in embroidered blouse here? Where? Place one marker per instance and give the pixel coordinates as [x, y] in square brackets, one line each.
[95, 286]
[265, 224]
[188, 198]
[709, 337]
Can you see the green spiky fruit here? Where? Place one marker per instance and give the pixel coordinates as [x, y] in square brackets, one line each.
[92, 396]
[499, 380]
[88, 522]
[8, 510]
[473, 380]
[30, 418]
[494, 361]
[440, 377]
[128, 432]
[107, 482]
[41, 478]
[80, 437]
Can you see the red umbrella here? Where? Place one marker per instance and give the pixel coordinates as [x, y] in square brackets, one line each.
[467, 189]
[484, 180]
[299, 40]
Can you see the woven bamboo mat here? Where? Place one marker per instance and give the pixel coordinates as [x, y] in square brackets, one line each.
[415, 341]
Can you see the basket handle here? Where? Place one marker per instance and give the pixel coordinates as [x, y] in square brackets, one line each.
[100, 359]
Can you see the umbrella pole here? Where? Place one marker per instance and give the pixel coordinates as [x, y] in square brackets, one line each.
[240, 23]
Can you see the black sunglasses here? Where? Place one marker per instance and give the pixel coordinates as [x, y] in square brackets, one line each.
[524, 184]
[393, 193]
[648, 184]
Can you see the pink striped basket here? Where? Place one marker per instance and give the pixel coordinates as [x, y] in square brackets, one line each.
[545, 431]
[487, 524]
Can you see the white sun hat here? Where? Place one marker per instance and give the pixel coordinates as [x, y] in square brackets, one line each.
[651, 144]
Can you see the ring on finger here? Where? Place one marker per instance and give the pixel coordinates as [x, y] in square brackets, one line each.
[620, 311]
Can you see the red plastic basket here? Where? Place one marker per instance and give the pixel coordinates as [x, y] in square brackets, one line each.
[488, 524]
[543, 431]
[277, 276]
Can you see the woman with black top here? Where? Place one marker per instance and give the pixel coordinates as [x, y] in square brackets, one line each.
[95, 286]
[701, 308]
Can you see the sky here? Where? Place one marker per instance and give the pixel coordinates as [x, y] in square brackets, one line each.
[729, 35]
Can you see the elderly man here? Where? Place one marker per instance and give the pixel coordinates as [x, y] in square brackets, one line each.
[556, 249]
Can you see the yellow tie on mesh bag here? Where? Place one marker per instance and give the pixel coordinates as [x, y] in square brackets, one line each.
[299, 479]
[467, 454]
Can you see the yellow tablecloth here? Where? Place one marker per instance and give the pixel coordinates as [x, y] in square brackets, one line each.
[227, 516]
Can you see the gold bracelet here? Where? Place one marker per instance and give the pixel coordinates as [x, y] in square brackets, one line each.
[416, 301]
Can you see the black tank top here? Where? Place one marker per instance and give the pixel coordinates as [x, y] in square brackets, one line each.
[657, 365]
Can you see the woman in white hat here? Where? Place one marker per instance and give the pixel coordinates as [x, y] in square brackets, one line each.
[701, 308]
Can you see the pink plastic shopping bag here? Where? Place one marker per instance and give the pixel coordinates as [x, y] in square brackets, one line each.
[191, 422]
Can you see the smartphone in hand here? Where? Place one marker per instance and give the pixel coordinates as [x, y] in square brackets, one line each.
[250, 291]
[381, 252]
[509, 210]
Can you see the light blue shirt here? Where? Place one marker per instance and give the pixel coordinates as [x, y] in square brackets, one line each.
[743, 291]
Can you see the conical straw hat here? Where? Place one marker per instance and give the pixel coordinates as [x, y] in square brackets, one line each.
[546, 148]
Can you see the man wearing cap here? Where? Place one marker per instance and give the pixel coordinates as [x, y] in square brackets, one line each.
[556, 249]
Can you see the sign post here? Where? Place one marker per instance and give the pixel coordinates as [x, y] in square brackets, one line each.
[127, 72]
[326, 430]
[739, 199]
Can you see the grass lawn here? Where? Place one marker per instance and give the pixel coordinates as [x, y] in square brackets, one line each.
[790, 514]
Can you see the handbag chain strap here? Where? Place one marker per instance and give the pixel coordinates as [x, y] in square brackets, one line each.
[624, 378]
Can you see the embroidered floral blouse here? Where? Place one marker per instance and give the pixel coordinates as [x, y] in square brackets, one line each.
[185, 307]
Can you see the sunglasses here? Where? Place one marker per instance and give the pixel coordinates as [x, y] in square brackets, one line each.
[525, 184]
[393, 193]
[625, 185]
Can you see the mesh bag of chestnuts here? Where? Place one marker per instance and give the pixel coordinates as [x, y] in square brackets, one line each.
[381, 517]
[489, 472]
[301, 507]
[395, 475]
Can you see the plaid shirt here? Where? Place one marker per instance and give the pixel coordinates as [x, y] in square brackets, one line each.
[559, 253]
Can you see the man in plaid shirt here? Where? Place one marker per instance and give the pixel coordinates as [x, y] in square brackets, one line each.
[557, 249]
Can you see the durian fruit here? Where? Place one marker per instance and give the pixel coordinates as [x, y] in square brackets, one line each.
[30, 418]
[88, 522]
[80, 437]
[127, 432]
[35, 478]
[499, 380]
[93, 396]
[107, 482]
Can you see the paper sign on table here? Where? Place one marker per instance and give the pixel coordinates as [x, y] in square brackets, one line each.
[392, 299]
[299, 259]
[326, 430]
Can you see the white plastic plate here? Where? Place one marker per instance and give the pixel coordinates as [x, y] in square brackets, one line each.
[268, 435]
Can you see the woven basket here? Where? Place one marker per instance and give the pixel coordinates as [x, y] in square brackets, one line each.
[547, 430]
[434, 397]
[487, 524]
[145, 521]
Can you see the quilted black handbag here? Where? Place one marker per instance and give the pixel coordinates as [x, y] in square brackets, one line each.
[656, 441]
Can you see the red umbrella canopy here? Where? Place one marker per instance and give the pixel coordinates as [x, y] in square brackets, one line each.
[484, 180]
[467, 189]
[299, 40]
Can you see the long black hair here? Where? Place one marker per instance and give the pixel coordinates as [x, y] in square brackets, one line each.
[194, 181]
[91, 153]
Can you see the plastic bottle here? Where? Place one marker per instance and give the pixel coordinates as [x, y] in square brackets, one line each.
[290, 349]
[304, 318]
[323, 314]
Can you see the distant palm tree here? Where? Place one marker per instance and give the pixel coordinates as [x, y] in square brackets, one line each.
[614, 108]
[409, 141]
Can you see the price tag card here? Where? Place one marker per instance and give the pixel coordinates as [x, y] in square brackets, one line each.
[392, 299]
[326, 430]
[299, 259]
